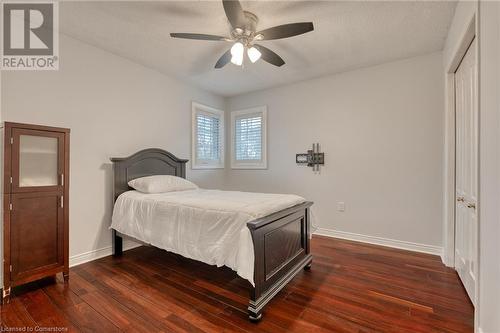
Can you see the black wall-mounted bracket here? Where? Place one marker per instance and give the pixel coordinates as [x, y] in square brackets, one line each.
[313, 158]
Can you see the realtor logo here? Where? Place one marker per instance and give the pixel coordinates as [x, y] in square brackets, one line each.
[30, 38]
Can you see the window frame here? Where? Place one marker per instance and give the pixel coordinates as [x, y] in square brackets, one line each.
[262, 163]
[198, 108]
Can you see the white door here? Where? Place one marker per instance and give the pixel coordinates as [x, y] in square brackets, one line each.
[466, 223]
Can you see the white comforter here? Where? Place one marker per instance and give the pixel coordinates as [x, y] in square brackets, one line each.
[206, 225]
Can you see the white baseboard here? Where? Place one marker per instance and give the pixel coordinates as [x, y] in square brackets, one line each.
[82, 258]
[430, 249]
[447, 261]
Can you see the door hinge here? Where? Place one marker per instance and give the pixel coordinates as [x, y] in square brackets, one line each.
[11, 180]
[62, 179]
[10, 206]
[11, 140]
[62, 201]
[10, 268]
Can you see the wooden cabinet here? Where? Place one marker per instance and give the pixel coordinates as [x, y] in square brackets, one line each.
[36, 184]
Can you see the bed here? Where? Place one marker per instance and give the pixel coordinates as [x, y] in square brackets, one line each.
[263, 237]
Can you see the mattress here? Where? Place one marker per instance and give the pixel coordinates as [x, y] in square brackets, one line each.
[205, 225]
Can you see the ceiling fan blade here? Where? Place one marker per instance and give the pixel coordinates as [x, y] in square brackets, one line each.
[234, 13]
[199, 36]
[269, 56]
[224, 59]
[286, 30]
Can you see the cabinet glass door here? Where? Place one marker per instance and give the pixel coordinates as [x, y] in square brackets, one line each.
[37, 160]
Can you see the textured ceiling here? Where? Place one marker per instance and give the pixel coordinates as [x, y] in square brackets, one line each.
[347, 35]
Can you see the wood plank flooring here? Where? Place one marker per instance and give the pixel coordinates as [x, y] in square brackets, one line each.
[352, 287]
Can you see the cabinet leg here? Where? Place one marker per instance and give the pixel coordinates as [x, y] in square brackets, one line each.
[6, 296]
[66, 277]
[308, 266]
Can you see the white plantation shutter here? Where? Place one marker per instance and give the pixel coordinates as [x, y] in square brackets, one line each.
[207, 137]
[248, 129]
[248, 136]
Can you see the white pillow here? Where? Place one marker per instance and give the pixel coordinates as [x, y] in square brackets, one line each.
[161, 184]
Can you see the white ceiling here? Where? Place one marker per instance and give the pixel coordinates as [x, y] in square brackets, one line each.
[347, 35]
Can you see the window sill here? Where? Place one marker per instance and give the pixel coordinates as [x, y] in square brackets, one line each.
[248, 167]
[206, 167]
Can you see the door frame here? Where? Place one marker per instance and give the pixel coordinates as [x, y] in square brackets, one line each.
[469, 34]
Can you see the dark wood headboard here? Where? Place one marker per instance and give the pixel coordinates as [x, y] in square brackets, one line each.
[147, 162]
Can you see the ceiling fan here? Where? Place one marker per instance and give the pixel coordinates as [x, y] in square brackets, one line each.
[244, 34]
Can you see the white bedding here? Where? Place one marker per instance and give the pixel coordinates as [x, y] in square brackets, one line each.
[206, 225]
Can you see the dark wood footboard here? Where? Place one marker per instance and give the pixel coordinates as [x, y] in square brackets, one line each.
[281, 245]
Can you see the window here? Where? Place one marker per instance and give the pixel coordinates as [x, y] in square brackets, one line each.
[248, 138]
[207, 137]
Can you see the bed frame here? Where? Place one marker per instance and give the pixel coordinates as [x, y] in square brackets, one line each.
[281, 240]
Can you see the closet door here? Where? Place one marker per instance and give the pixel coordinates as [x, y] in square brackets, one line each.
[466, 221]
[37, 202]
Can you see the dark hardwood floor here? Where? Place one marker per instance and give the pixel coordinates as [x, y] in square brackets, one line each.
[352, 287]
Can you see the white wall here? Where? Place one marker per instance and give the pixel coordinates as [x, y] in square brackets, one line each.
[114, 107]
[381, 129]
[489, 177]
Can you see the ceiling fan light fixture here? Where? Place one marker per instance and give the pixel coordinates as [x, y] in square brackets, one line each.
[243, 34]
[237, 53]
[253, 54]
[258, 37]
